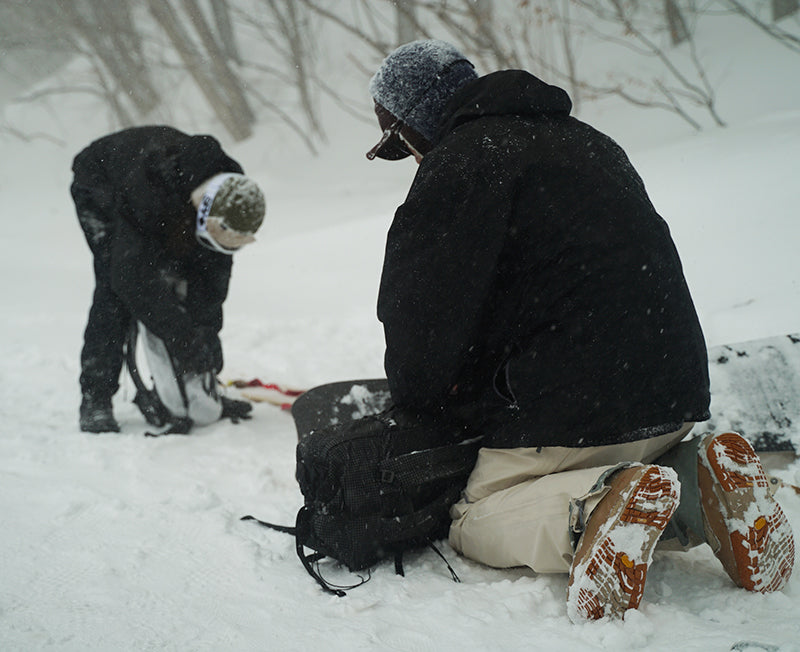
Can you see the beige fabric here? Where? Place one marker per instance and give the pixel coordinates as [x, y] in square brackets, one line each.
[516, 506]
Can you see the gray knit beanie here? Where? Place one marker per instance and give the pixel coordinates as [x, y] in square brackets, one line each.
[416, 80]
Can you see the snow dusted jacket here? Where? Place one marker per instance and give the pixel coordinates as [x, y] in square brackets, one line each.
[140, 182]
[528, 271]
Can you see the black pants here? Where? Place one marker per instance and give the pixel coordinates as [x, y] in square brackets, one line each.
[109, 319]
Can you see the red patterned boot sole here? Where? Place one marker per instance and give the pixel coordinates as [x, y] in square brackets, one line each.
[756, 544]
[609, 572]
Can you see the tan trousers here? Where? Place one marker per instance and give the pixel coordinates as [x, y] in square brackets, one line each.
[520, 504]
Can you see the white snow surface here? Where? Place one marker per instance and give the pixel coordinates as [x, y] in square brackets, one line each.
[121, 542]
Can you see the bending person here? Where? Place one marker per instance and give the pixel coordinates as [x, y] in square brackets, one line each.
[163, 212]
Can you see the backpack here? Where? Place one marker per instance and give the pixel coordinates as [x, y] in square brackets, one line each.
[377, 487]
[147, 400]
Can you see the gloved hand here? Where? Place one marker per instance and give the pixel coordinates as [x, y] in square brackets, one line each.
[235, 410]
[198, 354]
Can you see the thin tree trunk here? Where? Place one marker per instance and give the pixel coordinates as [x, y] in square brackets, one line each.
[569, 56]
[193, 60]
[128, 75]
[783, 8]
[225, 76]
[291, 28]
[222, 19]
[677, 25]
[124, 41]
[406, 23]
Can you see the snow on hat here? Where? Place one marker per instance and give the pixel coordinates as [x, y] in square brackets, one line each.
[416, 80]
[237, 200]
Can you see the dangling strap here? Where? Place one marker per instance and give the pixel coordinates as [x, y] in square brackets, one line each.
[309, 563]
[398, 564]
[446, 563]
[306, 560]
[300, 532]
[130, 357]
[147, 399]
[273, 526]
[178, 426]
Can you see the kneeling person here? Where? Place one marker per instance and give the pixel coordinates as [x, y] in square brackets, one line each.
[531, 290]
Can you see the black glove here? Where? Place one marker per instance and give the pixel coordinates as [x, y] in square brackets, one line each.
[199, 353]
[235, 410]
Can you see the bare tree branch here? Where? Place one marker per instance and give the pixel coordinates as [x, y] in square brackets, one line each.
[223, 74]
[298, 56]
[381, 47]
[222, 19]
[782, 36]
[30, 137]
[238, 125]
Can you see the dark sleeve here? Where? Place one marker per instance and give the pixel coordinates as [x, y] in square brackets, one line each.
[439, 267]
[207, 291]
[208, 288]
[140, 273]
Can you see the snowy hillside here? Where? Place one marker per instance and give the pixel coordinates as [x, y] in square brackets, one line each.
[121, 542]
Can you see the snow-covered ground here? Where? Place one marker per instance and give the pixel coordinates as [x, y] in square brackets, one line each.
[121, 542]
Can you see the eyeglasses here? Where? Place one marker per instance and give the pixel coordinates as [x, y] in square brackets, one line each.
[212, 233]
[391, 145]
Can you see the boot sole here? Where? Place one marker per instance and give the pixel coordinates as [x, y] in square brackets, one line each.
[611, 579]
[755, 537]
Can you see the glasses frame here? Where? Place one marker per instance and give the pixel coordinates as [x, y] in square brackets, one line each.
[392, 130]
[203, 210]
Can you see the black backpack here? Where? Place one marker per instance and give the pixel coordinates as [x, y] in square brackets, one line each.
[376, 487]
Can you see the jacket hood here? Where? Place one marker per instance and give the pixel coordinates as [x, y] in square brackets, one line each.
[507, 92]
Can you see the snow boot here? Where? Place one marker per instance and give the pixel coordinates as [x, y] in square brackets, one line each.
[746, 527]
[96, 415]
[611, 561]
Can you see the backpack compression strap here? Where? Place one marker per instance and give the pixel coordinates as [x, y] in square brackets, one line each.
[300, 533]
[308, 561]
[147, 400]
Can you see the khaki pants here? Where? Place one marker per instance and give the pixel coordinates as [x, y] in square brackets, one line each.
[522, 506]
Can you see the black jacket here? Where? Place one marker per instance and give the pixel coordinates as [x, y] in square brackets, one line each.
[528, 269]
[140, 182]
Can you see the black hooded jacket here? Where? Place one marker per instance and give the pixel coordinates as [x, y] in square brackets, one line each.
[139, 181]
[528, 270]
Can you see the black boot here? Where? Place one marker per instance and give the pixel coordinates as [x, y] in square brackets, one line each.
[96, 415]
